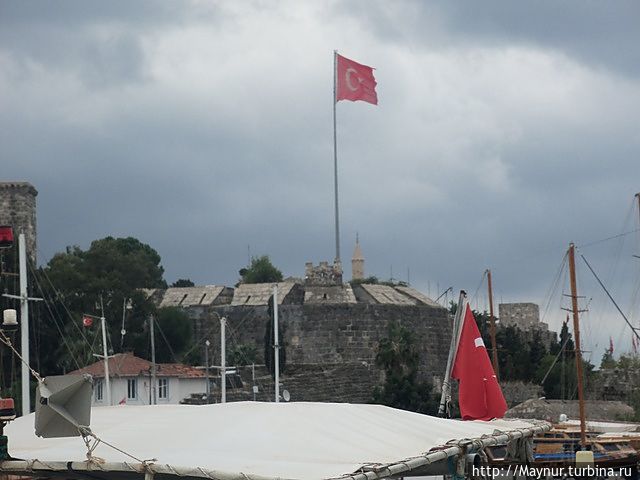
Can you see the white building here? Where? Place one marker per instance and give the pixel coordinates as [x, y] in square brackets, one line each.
[130, 379]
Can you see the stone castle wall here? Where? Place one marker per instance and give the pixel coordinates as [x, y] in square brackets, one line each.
[338, 340]
[521, 315]
[18, 209]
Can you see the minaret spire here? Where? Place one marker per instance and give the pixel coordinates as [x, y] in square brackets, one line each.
[357, 261]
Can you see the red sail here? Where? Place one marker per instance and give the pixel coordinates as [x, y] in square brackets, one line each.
[480, 396]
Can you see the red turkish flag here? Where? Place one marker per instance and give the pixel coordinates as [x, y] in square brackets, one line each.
[355, 81]
[480, 396]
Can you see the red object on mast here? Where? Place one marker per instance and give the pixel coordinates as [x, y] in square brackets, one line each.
[480, 396]
[6, 236]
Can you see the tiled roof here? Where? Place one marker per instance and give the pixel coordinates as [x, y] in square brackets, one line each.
[259, 293]
[388, 295]
[190, 296]
[128, 365]
[335, 294]
[412, 292]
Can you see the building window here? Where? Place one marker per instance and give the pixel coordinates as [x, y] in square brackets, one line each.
[163, 388]
[132, 388]
[97, 388]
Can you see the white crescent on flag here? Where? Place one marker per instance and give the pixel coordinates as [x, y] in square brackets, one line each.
[479, 342]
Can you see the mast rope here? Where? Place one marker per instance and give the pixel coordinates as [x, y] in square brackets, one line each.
[59, 297]
[87, 435]
[55, 321]
[475, 295]
[633, 329]
[4, 339]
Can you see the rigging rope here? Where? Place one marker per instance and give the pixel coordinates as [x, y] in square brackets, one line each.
[55, 321]
[4, 339]
[60, 298]
[633, 329]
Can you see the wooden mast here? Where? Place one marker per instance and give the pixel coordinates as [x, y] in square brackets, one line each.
[492, 329]
[576, 331]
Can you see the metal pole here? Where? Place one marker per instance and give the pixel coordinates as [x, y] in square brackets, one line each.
[492, 328]
[276, 346]
[253, 380]
[154, 381]
[24, 325]
[455, 338]
[206, 367]
[576, 331]
[335, 153]
[105, 354]
[223, 361]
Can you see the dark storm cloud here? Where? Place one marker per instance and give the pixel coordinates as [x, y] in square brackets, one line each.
[504, 131]
[602, 34]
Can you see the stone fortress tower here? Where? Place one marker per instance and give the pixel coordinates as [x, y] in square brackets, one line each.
[357, 262]
[18, 209]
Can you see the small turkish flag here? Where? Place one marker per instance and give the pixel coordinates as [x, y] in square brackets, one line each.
[87, 321]
[354, 81]
[479, 396]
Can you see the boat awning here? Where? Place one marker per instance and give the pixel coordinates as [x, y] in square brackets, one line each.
[255, 440]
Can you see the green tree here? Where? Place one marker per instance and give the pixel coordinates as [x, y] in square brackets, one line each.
[398, 357]
[242, 354]
[369, 280]
[261, 270]
[174, 335]
[607, 360]
[110, 275]
[183, 282]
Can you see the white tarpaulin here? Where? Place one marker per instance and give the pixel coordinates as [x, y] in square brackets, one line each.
[284, 440]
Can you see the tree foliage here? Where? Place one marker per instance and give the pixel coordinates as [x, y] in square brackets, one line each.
[242, 354]
[183, 282]
[261, 270]
[523, 356]
[398, 357]
[108, 275]
[373, 280]
[173, 335]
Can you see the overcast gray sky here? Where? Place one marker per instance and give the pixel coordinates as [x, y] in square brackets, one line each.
[504, 131]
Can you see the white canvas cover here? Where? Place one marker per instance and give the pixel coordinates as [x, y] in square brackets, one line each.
[283, 440]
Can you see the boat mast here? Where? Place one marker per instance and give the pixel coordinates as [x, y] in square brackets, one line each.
[492, 329]
[456, 330]
[576, 331]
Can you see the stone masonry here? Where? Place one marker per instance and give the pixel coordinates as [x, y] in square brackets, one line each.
[330, 335]
[18, 209]
[526, 317]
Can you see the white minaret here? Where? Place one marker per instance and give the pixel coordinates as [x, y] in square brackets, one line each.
[357, 262]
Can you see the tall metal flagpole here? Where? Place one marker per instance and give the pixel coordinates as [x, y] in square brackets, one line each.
[335, 153]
